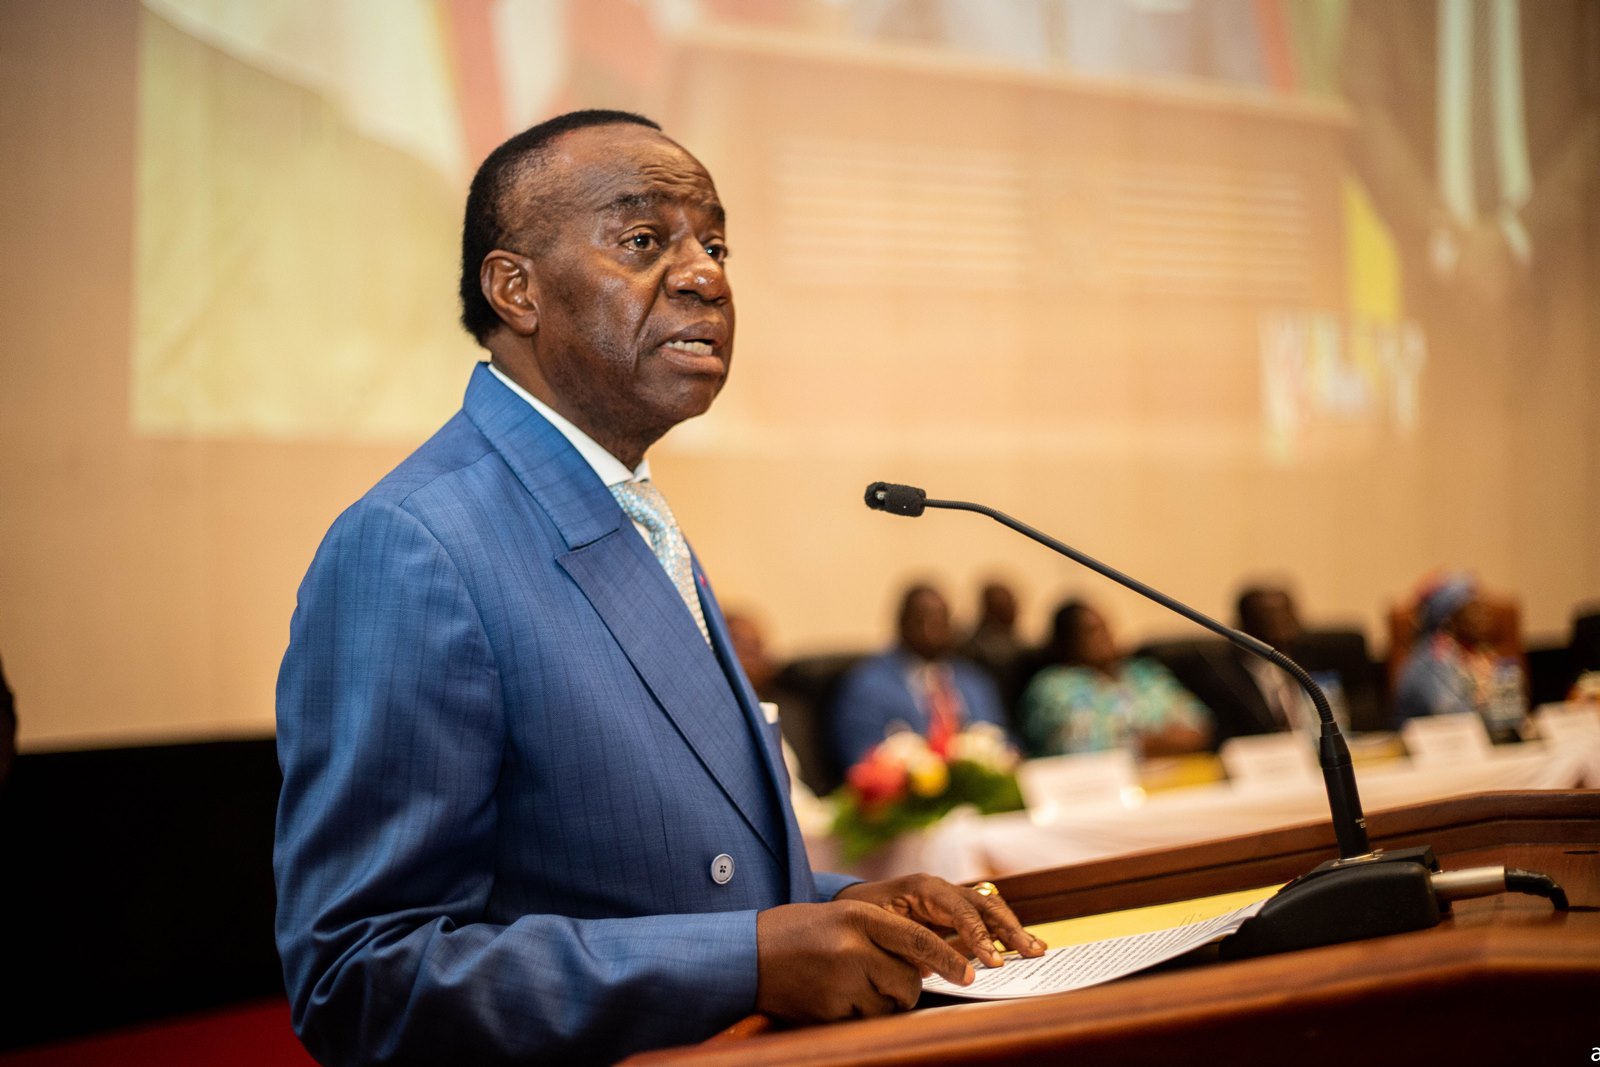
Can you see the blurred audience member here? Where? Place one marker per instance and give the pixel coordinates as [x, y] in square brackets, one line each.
[804, 750]
[750, 646]
[1247, 695]
[917, 684]
[993, 643]
[1268, 613]
[1584, 652]
[1453, 666]
[1254, 696]
[1093, 699]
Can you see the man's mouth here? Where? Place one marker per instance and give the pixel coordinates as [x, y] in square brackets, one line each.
[694, 348]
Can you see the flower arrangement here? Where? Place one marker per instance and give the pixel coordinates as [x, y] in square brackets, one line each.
[905, 784]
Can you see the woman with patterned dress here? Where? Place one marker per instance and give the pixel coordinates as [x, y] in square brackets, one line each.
[1093, 700]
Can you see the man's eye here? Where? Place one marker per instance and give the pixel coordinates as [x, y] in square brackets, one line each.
[716, 250]
[641, 242]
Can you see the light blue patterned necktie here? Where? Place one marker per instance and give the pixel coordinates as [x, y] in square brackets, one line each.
[645, 505]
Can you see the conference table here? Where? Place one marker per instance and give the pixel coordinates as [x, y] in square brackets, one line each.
[966, 846]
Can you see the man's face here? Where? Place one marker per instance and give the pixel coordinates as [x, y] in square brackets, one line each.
[925, 625]
[1000, 606]
[1095, 646]
[1272, 619]
[635, 316]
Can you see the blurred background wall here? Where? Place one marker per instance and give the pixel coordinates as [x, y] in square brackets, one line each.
[1213, 289]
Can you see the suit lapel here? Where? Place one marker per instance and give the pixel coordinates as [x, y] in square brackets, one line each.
[802, 886]
[638, 603]
[635, 599]
[1250, 694]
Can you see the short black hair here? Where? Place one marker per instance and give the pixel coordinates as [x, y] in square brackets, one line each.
[490, 221]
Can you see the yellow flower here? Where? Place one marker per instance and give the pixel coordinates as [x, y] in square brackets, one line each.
[929, 778]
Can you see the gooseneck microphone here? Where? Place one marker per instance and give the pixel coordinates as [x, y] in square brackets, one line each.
[897, 499]
[1363, 893]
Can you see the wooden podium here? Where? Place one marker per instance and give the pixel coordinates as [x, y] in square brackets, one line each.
[1504, 979]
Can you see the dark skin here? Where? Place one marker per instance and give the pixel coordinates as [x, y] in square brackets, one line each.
[619, 316]
[925, 625]
[1472, 624]
[999, 608]
[1269, 616]
[621, 319]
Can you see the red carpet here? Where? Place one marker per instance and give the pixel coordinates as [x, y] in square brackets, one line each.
[255, 1034]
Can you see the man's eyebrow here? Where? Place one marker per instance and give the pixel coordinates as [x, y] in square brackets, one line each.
[624, 203]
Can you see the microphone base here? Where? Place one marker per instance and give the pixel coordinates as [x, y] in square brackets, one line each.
[1344, 900]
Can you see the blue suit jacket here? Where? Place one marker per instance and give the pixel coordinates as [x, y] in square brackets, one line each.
[509, 761]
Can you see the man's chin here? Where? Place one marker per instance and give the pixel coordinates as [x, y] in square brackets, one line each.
[695, 396]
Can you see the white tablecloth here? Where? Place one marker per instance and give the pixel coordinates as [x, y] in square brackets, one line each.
[966, 846]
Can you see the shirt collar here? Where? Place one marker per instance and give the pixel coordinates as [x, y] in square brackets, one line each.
[609, 468]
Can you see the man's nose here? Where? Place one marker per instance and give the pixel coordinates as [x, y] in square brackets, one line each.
[697, 273]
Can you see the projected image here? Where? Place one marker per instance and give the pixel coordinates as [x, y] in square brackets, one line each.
[1232, 226]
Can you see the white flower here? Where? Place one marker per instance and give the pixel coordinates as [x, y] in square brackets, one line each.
[985, 744]
[906, 747]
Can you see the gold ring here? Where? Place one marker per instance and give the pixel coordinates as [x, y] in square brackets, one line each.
[986, 889]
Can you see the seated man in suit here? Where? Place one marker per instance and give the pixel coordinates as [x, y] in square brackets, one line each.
[1253, 696]
[1248, 695]
[916, 684]
[995, 646]
[531, 808]
[797, 721]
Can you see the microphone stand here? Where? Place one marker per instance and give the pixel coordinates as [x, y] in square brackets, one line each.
[1363, 893]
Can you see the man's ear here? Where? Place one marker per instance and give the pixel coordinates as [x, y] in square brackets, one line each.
[508, 284]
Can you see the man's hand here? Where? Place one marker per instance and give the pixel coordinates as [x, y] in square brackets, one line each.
[975, 919]
[845, 959]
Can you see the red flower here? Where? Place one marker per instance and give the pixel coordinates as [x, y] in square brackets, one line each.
[878, 779]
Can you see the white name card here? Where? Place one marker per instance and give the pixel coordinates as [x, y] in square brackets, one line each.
[1436, 740]
[1264, 760]
[1567, 726]
[1052, 784]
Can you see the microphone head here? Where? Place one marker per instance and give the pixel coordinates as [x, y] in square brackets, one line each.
[896, 499]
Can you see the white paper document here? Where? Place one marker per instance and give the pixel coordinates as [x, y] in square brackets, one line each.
[1078, 966]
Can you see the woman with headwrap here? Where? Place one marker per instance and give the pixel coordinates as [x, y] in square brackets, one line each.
[1453, 666]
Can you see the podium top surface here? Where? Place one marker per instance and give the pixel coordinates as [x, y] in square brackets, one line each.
[1501, 977]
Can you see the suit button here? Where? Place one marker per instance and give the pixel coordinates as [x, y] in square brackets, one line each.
[722, 869]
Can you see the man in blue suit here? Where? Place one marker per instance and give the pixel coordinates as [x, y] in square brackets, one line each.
[917, 684]
[531, 806]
